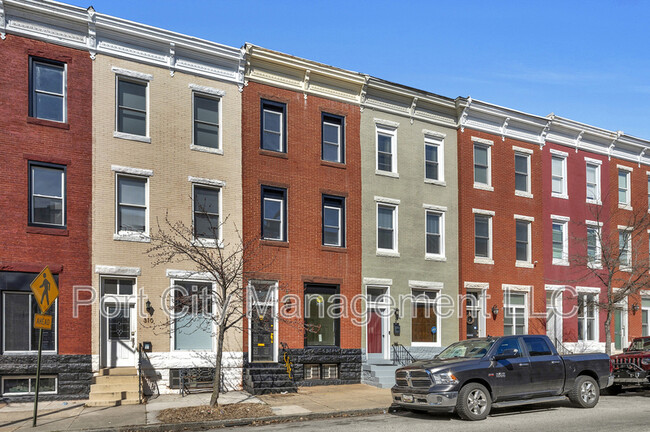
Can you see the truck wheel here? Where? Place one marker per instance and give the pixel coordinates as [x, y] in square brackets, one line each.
[585, 392]
[474, 402]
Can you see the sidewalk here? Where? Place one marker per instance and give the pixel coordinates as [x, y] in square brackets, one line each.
[73, 415]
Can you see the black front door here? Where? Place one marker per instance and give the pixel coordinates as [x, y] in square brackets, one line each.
[261, 336]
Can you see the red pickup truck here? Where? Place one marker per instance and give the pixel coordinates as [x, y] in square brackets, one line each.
[632, 367]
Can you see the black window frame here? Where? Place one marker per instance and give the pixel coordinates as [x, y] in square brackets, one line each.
[337, 119]
[32, 89]
[30, 192]
[315, 288]
[145, 83]
[280, 108]
[333, 201]
[204, 211]
[274, 192]
[198, 95]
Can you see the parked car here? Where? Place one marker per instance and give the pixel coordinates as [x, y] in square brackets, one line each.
[473, 376]
[632, 368]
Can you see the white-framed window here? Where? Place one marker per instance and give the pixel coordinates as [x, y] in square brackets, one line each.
[387, 226]
[48, 90]
[625, 248]
[118, 286]
[434, 166]
[206, 121]
[594, 245]
[274, 126]
[332, 143]
[645, 316]
[132, 209]
[47, 195]
[483, 236]
[592, 176]
[132, 106]
[624, 187]
[560, 240]
[587, 317]
[20, 385]
[435, 234]
[333, 215]
[207, 213]
[386, 149]
[274, 213]
[523, 238]
[515, 313]
[19, 334]
[192, 304]
[522, 172]
[482, 165]
[425, 322]
[559, 174]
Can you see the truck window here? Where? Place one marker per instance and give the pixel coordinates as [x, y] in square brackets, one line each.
[506, 344]
[537, 346]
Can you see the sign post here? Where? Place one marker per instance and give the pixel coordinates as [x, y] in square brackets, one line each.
[45, 292]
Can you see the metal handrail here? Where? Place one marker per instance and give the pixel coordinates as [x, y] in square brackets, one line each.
[140, 373]
[400, 355]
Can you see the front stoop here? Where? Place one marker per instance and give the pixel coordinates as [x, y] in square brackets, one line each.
[381, 375]
[115, 386]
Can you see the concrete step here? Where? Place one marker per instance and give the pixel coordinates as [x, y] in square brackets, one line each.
[110, 396]
[110, 403]
[106, 388]
[121, 371]
[115, 379]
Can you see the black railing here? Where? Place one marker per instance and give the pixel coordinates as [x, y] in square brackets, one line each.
[400, 355]
[199, 379]
[147, 378]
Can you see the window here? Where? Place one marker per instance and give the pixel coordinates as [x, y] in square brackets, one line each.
[321, 326]
[593, 182]
[587, 330]
[593, 245]
[623, 188]
[333, 221]
[207, 223]
[332, 149]
[482, 236]
[47, 195]
[433, 159]
[274, 126]
[435, 246]
[192, 310]
[482, 175]
[514, 316]
[509, 344]
[523, 234]
[26, 385]
[558, 176]
[645, 316]
[206, 121]
[132, 204]
[274, 209]
[625, 249]
[522, 172]
[117, 287]
[47, 90]
[424, 320]
[560, 242]
[386, 150]
[537, 346]
[18, 319]
[131, 106]
[386, 227]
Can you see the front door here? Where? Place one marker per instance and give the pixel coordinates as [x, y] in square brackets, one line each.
[377, 336]
[619, 330]
[473, 315]
[262, 297]
[375, 332]
[120, 335]
[554, 317]
[261, 336]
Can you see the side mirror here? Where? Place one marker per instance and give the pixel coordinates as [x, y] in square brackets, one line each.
[507, 354]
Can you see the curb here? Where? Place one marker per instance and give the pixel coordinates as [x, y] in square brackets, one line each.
[214, 424]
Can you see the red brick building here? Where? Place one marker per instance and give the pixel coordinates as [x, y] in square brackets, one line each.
[45, 179]
[301, 201]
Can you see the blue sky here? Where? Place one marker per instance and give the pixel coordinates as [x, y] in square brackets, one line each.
[585, 60]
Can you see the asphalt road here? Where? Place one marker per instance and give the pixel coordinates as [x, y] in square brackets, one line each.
[628, 412]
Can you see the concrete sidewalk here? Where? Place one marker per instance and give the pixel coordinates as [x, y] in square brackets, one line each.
[73, 415]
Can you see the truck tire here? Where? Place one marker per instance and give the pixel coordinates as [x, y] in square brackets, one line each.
[474, 402]
[585, 392]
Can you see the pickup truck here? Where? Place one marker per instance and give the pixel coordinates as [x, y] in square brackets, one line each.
[473, 376]
[632, 367]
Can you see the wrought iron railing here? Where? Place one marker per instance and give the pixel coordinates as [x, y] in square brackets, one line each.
[147, 378]
[199, 379]
[400, 355]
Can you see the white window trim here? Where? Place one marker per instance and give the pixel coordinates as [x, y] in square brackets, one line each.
[387, 252]
[209, 242]
[33, 60]
[528, 154]
[628, 192]
[132, 236]
[63, 197]
[172, 330]
[442, 255]
[563, 156]
[516, 289]
[55, 324]
[490, 258]
[529, 262]
[140, 78]
[432, 287]
[582, 291]
[487, 144]
[282, 216]
[117, 270]
[30, 377]
[214, 94]
[433, 138]
[377, 281]
[386, 127]
[599, 253]
[597, 164]
[626, 268]
[564, 221]
[273, 303]
[339, 211]
[339, 144]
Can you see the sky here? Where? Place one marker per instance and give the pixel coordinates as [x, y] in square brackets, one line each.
[585, 60]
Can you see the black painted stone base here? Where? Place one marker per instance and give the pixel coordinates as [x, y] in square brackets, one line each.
[74, 373]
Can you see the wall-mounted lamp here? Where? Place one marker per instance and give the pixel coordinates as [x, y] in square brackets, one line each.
[635, 308]
[396, 312]
[495, 310]
[149, 308]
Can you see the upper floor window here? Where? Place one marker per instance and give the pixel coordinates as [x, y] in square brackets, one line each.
[523, 237]
[132, 204]
[624, 187]
[274, 209]
[482, 172]
[207, 222]
[593, 182]
[47, 194]
[47, 90]
[482, 237]
[625, 248]
[558, 176]
[593, 244]
[131, 106]
[435, 246]
[522, 171]
[333, 221]
[560, 240]
[434, 158]
[332, 149]
[386, 150]
[274, 128]
[386, 227]
[206, 121]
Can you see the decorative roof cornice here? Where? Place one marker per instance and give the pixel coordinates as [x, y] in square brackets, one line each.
[97, 33]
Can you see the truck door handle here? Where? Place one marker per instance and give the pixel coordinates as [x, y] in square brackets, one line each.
[555, 362]
[524, 364]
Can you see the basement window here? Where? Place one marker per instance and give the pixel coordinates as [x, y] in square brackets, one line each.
[26, 385]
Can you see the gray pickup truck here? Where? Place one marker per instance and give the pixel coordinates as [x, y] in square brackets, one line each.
[473, 376]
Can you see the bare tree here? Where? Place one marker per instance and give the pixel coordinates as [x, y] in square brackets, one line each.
[612, 252]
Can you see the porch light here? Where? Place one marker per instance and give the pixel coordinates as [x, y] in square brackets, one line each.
[149, 308]
[635, 308]
[495, 310]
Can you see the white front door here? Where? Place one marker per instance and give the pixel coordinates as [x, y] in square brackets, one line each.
[119, 332]
[554, 316]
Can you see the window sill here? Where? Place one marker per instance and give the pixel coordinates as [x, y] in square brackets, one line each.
[49, 123]
[272, 153]
[625, 206]
[387, 253]
[524, 264]
[208, 243]
[339, 165]
[523, 194]
[435, 182]
[558, 262]
[336, 249]
[440, 258]
[387, 173]
[481, 260]
[206, 149]
[484, 187]
[47, 231]
[131, 137]
[595, 266]
[132, 237]
[561, 196]
[275, 243]
[595, 202]
[625, 269]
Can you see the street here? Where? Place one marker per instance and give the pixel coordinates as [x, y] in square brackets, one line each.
[629, 412]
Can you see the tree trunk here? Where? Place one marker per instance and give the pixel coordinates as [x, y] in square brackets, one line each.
[608, 333]
[216, 389]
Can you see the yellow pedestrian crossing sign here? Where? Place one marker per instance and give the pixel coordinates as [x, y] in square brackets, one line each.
[44, 289]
